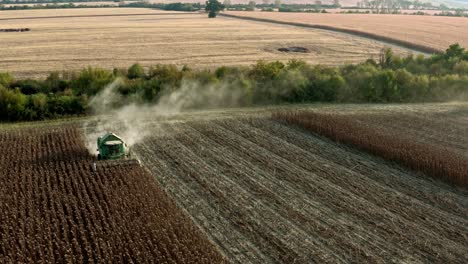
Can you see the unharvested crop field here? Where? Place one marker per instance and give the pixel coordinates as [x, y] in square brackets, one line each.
[120, 37]
[55, 209]
[428, 31]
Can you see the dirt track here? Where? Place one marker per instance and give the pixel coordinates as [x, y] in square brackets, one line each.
[267, 193]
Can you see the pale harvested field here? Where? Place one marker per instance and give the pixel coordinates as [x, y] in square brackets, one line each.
[90, 37]
[431, 31]
[75, 3]
[344, 3]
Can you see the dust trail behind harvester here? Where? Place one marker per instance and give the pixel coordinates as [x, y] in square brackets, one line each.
[130, 121]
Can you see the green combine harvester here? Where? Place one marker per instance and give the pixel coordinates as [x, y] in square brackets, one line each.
[112, 151]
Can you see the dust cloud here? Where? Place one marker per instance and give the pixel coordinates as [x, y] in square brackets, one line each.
[130, 120]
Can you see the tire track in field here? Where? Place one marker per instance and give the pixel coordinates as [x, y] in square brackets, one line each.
[422, 239]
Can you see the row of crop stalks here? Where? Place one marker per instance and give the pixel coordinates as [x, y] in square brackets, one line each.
[430, 159]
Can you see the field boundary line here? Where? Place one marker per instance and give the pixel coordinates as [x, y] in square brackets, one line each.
[359, 33]
[97, 15]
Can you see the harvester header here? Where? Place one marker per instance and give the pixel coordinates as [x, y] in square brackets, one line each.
[112, 151]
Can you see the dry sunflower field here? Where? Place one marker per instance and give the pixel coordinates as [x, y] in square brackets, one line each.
[76, 38]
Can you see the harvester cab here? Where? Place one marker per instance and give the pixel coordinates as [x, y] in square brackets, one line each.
[111, 147]
[112, 151]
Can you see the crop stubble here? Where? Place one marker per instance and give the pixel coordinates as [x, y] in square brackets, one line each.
[268, 193]
[151, 37]
[430, 32]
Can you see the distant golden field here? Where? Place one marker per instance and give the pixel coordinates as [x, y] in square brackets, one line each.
[120, 37]
[431, 31]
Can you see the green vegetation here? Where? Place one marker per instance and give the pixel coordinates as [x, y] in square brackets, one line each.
[438, 78]
[213, 7]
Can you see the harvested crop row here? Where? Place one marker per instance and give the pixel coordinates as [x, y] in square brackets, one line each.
[267, 193]
[56, 209]
[431, 159]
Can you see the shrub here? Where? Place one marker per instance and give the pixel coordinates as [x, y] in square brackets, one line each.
[136, 71]
[6, 79]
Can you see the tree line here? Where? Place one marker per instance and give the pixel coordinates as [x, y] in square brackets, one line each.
[387, 79]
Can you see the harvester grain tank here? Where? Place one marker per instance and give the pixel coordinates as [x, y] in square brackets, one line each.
[112, 151]
[111, 147]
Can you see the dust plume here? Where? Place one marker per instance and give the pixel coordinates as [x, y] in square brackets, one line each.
[130, 120]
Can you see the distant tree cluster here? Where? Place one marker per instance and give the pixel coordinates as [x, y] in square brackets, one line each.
[213, 7]
[393, 6]
[389, 78]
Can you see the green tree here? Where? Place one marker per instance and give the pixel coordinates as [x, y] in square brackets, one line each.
[39, 105]
[5, 79]
[136, 71]
[91, 80]
[213, 7]
[12, 104]
[454, 51]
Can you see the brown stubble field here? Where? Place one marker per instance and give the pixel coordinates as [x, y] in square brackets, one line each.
[431, 31]
[268, 192]
[151, 37]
